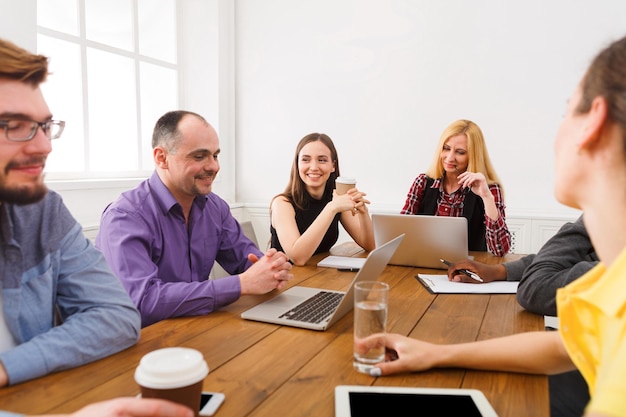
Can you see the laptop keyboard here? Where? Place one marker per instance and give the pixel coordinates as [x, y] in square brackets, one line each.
[315, 309]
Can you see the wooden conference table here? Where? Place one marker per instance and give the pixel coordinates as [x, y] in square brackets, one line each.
[272, 370]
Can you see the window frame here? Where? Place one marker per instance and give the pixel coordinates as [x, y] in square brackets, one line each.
[84, 44]
[208, 32]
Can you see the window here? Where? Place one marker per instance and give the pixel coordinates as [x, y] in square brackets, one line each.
[114, 72]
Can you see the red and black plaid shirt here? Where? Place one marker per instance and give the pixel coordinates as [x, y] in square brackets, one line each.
[497, 233]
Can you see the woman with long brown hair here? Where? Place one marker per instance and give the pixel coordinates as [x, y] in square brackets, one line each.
[305, 217]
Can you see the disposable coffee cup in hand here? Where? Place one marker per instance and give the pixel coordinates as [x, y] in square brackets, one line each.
[343, 184]
[174, 374]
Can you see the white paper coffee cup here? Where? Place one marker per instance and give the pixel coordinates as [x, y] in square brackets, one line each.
[343, 184]
[176, 374]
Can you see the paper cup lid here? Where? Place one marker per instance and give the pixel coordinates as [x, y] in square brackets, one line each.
[171, 368]
[345, 180]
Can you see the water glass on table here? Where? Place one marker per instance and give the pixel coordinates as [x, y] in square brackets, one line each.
[370, 317]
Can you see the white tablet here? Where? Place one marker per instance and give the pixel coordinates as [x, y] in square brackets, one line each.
[366, 401]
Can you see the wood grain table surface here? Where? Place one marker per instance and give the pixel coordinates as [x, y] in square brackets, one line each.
[272, 370]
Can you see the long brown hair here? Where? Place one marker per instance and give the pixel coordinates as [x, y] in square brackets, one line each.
[295, 190]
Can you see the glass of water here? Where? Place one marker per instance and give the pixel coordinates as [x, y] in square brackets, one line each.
[370, 318]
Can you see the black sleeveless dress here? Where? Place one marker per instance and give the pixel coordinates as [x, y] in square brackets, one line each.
[304, 218]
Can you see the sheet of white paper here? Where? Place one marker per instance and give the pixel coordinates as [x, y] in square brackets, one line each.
[551, 321]
[440, 284]
[347, 262]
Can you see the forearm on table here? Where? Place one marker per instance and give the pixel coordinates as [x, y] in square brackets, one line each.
[515, 269]
[537, 289]
[305, 245]
[360, 229]
[531, 352]
[187, 298]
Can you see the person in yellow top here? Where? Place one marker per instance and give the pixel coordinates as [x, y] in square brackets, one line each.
[590, 156]
[593, 327]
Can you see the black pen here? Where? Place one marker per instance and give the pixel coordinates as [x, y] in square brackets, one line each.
[464, 271]
[348, 269]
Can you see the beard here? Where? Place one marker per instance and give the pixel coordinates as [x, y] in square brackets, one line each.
[195, 189]
[23, 194]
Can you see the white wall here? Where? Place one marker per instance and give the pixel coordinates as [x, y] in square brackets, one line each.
[17, 21]
[383, 78]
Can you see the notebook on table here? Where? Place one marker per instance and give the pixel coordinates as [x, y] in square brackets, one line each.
[439, 284]
[316, 308]
[341, 262]
[428, 238]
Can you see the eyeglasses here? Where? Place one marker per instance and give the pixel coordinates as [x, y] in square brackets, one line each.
[20, 130]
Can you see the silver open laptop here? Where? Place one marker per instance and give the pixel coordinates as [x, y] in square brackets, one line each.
[282, 308]
[428, 238]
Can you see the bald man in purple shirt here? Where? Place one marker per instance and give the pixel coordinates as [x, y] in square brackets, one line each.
[162, 237]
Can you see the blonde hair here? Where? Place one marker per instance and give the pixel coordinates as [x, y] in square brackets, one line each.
[479, 160]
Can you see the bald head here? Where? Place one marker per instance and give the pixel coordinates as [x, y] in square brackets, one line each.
[167, 132]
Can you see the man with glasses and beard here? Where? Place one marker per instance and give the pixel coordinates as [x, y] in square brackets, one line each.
[60, 304]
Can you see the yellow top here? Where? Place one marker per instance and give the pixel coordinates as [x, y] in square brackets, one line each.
[592, 325]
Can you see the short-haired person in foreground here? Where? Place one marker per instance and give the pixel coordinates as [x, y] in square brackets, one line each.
[162, 237]
[590, 156]
[124, 407]
[565, 257]
[60, 304]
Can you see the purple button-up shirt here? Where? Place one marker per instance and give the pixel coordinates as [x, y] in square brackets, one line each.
[165, 264]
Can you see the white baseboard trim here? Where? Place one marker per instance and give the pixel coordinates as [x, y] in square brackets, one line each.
[530, 230]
